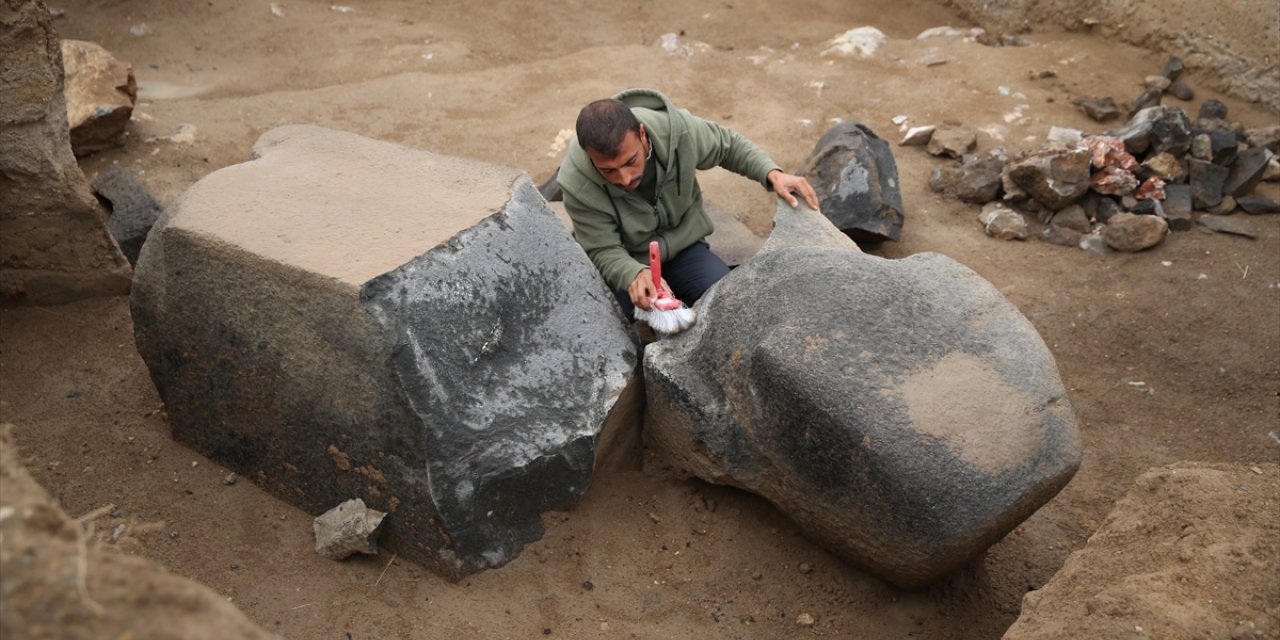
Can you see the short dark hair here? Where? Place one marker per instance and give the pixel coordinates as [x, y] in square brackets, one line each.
[603, 124]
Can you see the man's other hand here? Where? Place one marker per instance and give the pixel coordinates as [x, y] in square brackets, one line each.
[786, 184]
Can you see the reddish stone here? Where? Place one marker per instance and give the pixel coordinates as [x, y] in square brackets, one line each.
[1109, 151]
[1114, 181]
[1152, 189]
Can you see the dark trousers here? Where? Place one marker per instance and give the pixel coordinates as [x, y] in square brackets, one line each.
[690, 274]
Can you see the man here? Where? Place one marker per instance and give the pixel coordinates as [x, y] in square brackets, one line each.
[631, 179]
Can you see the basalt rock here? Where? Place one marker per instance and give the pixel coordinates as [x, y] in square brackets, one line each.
[133, 210]
[856, 178]
[902, 412]
[1177, 206]
[1055, 178]
[1258, 204]
[1206, 181]
[975, 180]
[1100, 110]
[449, 356]
[1246, 171]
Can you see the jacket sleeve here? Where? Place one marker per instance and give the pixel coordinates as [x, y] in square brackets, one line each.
[597, 232]
[720, 146]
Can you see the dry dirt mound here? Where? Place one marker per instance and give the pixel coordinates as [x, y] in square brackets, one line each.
[61, 582]
[1190, 552]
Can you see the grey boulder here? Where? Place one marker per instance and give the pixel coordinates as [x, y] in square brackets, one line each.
[341, 317]
[902, 412]
[856, 178]
[133, 210]
[1055, 178]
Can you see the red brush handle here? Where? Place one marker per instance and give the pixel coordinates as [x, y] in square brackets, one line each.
[655, 265]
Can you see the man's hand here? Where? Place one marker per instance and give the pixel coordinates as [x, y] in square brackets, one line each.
[785, 184]
[642, 291]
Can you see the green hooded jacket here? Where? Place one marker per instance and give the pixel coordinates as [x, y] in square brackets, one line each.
[615, 226]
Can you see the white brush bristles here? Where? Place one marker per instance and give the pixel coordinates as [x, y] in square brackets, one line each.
[668, 322]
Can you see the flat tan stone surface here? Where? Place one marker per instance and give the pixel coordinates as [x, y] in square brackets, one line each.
[341, 205]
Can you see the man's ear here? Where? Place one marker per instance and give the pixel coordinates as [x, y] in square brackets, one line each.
[644, 135]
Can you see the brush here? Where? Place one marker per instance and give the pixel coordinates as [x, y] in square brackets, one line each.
[667, 314]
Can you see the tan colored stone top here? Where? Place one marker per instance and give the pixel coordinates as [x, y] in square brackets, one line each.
[342, 205]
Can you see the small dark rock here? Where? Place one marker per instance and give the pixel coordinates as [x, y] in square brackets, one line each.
[1172, 68]
[1149, 98]
[856, 176]
[1258, 204]
[133, 210]
[587, 585]
[1107, 207]
[1213, 108]
[1206, 181]
[1100, 109]
[1177, 206]
[74, 394]
[550, 189]
[1171, 132]
[1246, 171]
[1228, 224]
[1182, 91]
[1074, 218]
[1223, 146]
[1144, 208]
[235, 565]
[976, 180]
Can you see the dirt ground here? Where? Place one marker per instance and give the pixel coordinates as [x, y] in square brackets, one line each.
[1171, 354]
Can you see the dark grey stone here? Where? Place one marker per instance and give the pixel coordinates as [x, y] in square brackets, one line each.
[1171, 132]
[1233, 225]
[1107, 207]
[1072, 217]
[1213, 108]
[1258, 204]
[1054, 234]
[1145, 100]
[133, 210]
[1177, 206]
[1054, 177]
[1206, 179]
[450, 355]
[902, 412]
[1181, 91]
[1246, 171]
[1172, 68]
[1100, 109]
[1223, 146]
[856, 178]
[1136, 133]
[1144, 208]
[550, 189]
[975, 180]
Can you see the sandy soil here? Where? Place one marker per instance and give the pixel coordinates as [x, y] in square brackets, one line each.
[1168, 355]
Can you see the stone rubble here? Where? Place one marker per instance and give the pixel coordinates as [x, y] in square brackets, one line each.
[1160, 170]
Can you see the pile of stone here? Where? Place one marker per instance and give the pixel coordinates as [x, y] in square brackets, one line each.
[1123, 189]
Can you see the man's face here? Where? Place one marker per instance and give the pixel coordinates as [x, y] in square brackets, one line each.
[625, 169]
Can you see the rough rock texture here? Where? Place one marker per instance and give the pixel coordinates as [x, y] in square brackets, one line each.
[952, 141]
[122, 596]
[1206, 181]
[1003, 223]
[1234, 44]
[1177, 206]
[449, 356]
[1055, 178]
[1258, 204]
[1167, 560]
[856, 178]
[901, 411]
[348, 528]
[1233, 225]
[1246, 171]
[975, 180]
[100, 92]
[54, 245]
[1130, 232]
[133, 210]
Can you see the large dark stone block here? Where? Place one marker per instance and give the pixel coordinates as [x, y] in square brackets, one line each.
[345, 318]
[856, 178]
[903, 412]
